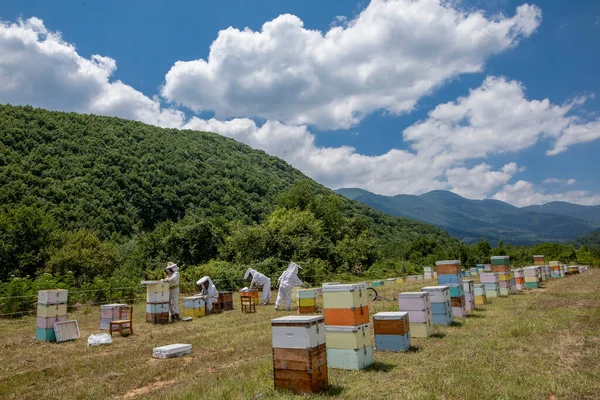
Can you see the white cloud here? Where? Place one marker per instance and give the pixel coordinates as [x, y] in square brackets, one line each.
[576, 134]
[39, 68]
[479, 181]
[524, 193]
[392, 54]
[548, 181]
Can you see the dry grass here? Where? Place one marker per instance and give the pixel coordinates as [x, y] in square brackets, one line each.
[539, 345]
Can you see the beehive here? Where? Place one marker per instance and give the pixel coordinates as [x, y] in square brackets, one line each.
[480, 268]
[441, 306]
[194, 306]
[480, 295]
[346, 317]
[490, 280]
[411, 278]
[157, 302]
[418, 307]
[532, 279]
[474, 271]
[427, 273]
[538, 260]
[377, 283]
[299, 353]
[51, 308]
[469, 291]
[390, 281]
[252, 293]
[226, 300]
[457, 300]
[109, 312]
[519, 279]
[392, 331]
[307, 301]
[555, 269]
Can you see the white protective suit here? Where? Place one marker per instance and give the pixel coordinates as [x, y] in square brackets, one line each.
[211, 295]
[259, 279]
[173, 281]
[287, 281]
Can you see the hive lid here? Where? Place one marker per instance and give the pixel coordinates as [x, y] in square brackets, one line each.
[440, 288]
[112, 305]
[66, 330]
[345, 288]
[499, 257]
[172, 348]
[352, 328]
[448, 262]
[391, 315]
[298, 319]
[413, 294]
[150, 282]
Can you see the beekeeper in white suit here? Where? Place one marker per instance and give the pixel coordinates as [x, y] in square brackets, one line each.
[258, 279]
[173, 280]
[286, 282]
[209, 291]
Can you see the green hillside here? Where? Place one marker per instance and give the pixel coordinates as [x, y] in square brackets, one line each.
[90, 195]
[590, 239]
[471, 220]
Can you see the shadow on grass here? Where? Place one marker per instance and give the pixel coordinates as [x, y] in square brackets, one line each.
[333, 390]
[474, 316]
[438, 335]
[413, 349]
[379, 366]
[456, 323]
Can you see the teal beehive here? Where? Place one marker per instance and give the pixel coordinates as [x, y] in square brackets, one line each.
[356, 359]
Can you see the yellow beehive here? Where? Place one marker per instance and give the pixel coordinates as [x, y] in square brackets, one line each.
[479, 300]
[420, 329]
[345, 296]
[49, 311]
[348, 337]
[307, 302]
[194, 312]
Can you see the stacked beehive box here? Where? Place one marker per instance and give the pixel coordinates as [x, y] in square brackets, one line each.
[392, 331]
[428, 273]
[480, 297]
[466, 272]
[480, 268]
[418, 306]
[469, 290]
[226, 301]
[519, 279]
[307, 301]
[532, 279]
[157, 302]
[474, 271]
[420, 277]
[554, 269]
[299, 354]
[254, 294]
[411, 278]
[399, 280]
[51, 308]
[347, 326]
[377, 283]
[573, 269]
[538, 260]
[109, 312]
[449, 271]
[194, 306]
[500, 265]
[548, 272]
[449, 274]
[487, 268]
[390, 281]
[441, 306]
[492, 287]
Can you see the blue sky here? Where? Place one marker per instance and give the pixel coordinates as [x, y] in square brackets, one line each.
[345, 91]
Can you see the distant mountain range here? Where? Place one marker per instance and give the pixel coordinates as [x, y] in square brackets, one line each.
[472, 220]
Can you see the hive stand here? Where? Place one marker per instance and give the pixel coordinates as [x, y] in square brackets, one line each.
[248, 305]
[125, 323]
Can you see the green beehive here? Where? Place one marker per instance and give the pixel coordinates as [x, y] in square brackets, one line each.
[500, 260]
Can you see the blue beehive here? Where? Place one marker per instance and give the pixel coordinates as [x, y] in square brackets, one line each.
[350, 359]
[446, 279]
[392, 342]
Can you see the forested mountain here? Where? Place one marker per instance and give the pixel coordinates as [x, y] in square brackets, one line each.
[590, 239]
[135, 195]
[472, 220]
[585, 213]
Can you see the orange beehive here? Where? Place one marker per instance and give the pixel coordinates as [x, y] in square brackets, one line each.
[347, 316]
[391, 327]
[307, 309]
[443, 269]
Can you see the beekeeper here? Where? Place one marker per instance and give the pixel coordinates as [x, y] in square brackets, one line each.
[173, 280]
[286, 283]
[209, 291]
[258, 279]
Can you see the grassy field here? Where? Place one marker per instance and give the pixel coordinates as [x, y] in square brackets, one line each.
[541, 344]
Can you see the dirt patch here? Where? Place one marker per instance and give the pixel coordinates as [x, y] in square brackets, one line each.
[144, 390]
